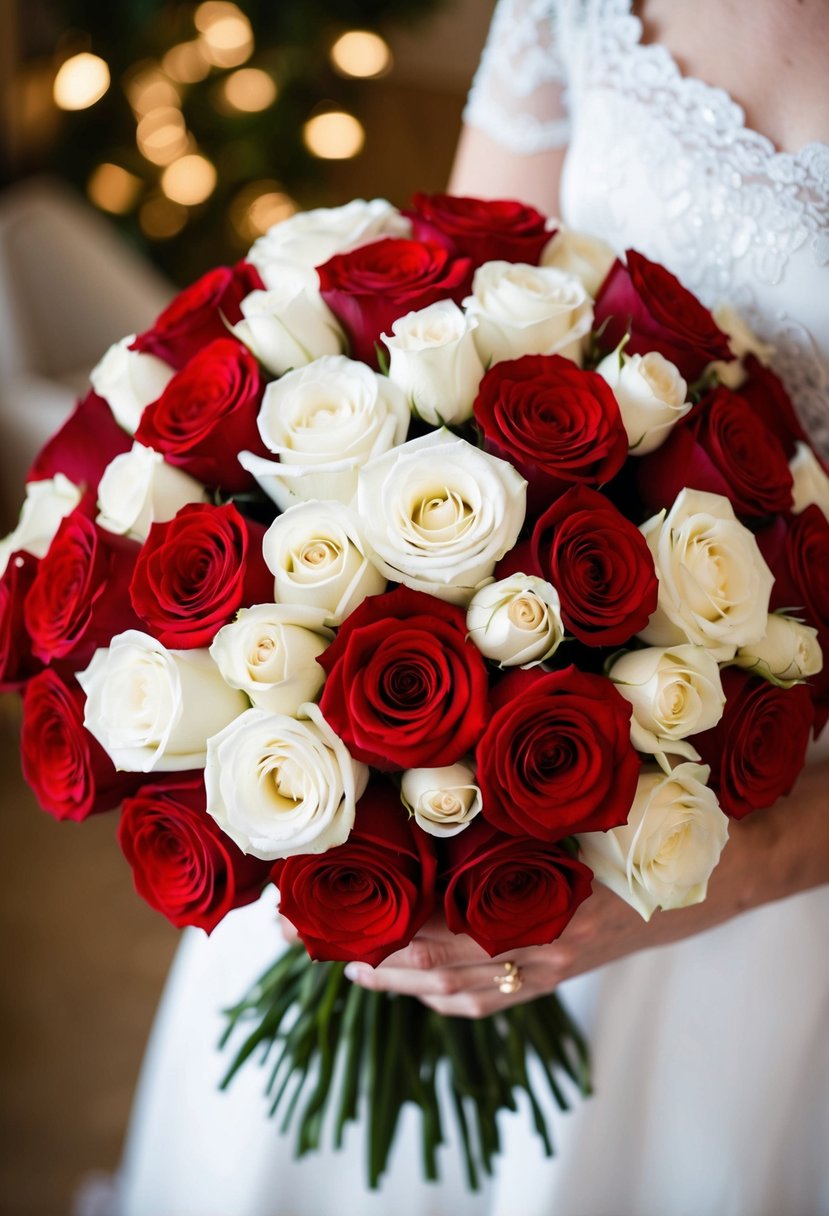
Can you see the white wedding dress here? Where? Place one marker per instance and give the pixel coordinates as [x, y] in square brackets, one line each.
[711, 1056]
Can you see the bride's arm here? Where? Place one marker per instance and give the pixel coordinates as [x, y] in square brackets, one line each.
[771, 854]
[486, 169]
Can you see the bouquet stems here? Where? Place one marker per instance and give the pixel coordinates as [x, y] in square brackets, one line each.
[335, 1049]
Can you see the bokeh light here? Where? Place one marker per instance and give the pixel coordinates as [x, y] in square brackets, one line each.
[80, 82]
[113, 188]
[257, 207]
[334, 135]
[226, 36]
[186, 62]
[160, 218]
[189, 180]
[161, 135]
[361, 53]
[249, 90]
[148, 88]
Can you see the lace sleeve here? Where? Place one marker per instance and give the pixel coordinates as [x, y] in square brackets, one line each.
[518, 95]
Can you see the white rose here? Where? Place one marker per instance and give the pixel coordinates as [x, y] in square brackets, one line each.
[317, 555]
[435, 363]
[310, 238]
[743, 341]
[270, 652]
[789, 652]
[675, 692]
[665, 853]
[438, 514]
[47, 502]
[586, 257]
[139, 489]
[516, 621]
[153, 709]
[129, 380]
[443, 801]
[324, 422]
[280, 786]
[289, 326]
[651, 396]
[528, 310]
[714, 585]
[811, 485]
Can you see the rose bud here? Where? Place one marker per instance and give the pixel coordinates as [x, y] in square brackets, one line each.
[139, 488]
[47, 503]
[576, 253]
[434, 362]
[443, 801]
[528, 310]
[129, 381]
[289, 325]
[788, 653]
[516, 621]
[650, 393]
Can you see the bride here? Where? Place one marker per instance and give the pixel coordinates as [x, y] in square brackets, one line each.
[698, 134]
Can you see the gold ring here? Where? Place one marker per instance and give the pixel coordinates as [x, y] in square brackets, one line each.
[511, 980]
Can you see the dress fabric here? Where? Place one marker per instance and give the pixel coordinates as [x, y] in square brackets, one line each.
[710, 1056]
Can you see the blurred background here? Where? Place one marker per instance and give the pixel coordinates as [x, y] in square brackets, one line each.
[142, 143]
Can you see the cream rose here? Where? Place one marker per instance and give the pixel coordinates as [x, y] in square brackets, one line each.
[811, 484]
[279, 786]
[139, 489]
[270, 652]
[317, 555]
[443, 801]
[528, 310]
[47, 502]
[290, 325]
[434, 362]
[651, 396]
[586, 257]
[714, 585]
[153, 709]
[743, 341]
[129, 380]
[675, 692]
[665, 853]
[310, 238]
[788, 652]
[438, 514]
[324, 422]
[516, 621]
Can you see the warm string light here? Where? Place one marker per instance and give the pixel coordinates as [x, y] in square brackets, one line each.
[80, 82]
[249, 90]
[257, 207]
[225, 33]
[334, 135]
[190, 180]
[361, 53]
[113, 188]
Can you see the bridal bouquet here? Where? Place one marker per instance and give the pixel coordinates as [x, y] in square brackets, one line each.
[424, 562]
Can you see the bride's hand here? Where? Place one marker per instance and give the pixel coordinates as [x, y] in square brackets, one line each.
[770, 854]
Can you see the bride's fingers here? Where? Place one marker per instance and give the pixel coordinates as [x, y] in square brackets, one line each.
[440, 981]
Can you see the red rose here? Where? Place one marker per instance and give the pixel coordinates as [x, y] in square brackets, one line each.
[599, 563]
[646, 301]
[405, 689]
[182, 862]
[769, 400]
[71, 774]
[722, 448]
[556, 756]
[196, 571]
[483, 229]
[207, 414]
[554, 422]
[82, 448]
[17, 663]
[370, 287]
[78, 599]
[506, 892]
[368, 897]
[200, 314]
[758, 747]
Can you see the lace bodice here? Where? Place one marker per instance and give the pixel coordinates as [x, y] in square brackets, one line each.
[666, 164]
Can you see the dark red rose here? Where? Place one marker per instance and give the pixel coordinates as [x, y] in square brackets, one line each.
[200, 314]
[368, 897]
[195, 572]
[370, 287]
[758, 747]
[796, 550]
[405, 689]
[648, 302]
[483, 229]
[17, 662]
[723, 448]
[557, 424]
[182, 862]
[556, 756]
[78, 599]
[71, 774]
[82, 448]
[769, 400]
[506, 892]
[599, 563]
[207, 414]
